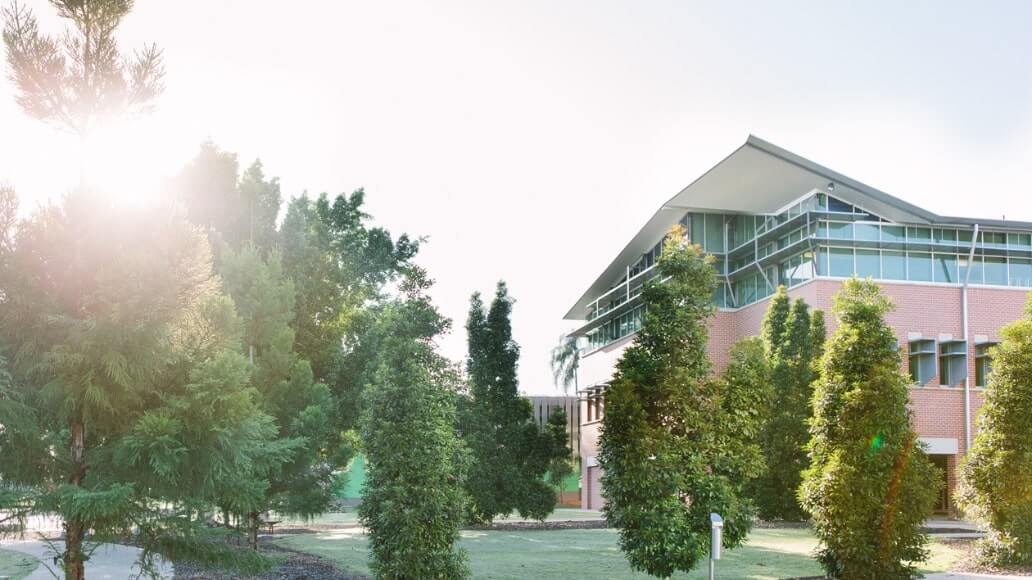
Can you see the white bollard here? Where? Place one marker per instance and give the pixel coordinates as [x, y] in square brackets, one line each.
[716, 541]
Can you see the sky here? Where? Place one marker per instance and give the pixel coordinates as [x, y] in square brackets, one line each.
[529, 141]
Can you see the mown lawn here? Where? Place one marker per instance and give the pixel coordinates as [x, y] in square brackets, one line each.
[350, 518]
[16, 565]
[768, 554]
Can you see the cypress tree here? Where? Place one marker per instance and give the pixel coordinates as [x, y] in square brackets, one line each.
[510, 454]
[785, 436]
[665, 467]
[413, 500]
[998, 473]
[870, 486]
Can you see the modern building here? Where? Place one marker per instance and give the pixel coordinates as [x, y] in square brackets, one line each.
[771, 217]
[545, 406]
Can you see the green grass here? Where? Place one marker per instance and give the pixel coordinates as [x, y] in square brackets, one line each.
[350, 518]
[768, 554]
[16, 565]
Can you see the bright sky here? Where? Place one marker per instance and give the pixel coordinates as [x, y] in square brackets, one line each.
[531, 140]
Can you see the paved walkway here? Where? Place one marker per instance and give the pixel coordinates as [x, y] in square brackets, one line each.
[109, 562]
[962, 576]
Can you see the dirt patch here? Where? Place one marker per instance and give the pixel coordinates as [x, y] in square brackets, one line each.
[296, 566]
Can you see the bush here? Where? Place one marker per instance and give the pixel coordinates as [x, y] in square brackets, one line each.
[997, 478]
[870, 486]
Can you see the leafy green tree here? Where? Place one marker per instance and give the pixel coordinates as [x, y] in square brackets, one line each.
[870, 486]
[301, 485]
[791, 357]
[997, 476]
[566, 361]
[746, 394]
[561, 465]
[818, 334]
[260, 201]
[81, 79]
[120, 345]
[665, 468]
[413, 500]
[510, 454]
[207, 188]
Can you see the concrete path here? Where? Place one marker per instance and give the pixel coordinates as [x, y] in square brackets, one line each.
[109, 562]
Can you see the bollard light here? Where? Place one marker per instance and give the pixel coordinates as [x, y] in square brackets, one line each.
[716, 540]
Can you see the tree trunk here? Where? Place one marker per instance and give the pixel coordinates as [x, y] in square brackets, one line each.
[252, 531]
[75, 527]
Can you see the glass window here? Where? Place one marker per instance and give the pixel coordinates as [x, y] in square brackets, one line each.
[945, 236]
[964, 236]
[894, 265]
[840, 231]
[952, 363]
[983, 364]
[919, 234]
[994, 239]
[698, 229]
[822, 200]
[977, 271]
[946, 268]
[842, 262]
[714, 233]
[822, 262]
[865, 231]
[1020, 272]
[893, 234]
[1019, 240]
[922, 361]
[995, 271]
[868, 263]
[919, 266]
[839, 206]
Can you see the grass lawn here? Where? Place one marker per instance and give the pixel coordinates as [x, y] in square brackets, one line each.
[350, 518]
[768, 554]
[16, 565]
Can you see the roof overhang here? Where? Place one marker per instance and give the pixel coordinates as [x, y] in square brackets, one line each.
[760, 177]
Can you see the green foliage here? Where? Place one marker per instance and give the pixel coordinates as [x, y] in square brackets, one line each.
[80, 80]
[665, 465]
[510, 454]
[788, 334]
[117, 340]
[998, 473]
[870, 486]
[745, 399]
[561, 465]
[413, 501]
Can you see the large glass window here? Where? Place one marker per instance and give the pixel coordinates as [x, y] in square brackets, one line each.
[868, 263]
[842, 262]
[698, 229]
[983, 363]
[840, 231]
[995, 270]
[1023, 241]
[919, 266]
[919, 234]
[865, 231]
[946, 268]
[894, 265]
[1020, 272]
[977, 271]
[893, 234]
[839, 206]
[714, 233]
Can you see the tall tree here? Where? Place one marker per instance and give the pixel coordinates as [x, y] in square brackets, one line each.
[510, 454]
[110, 317]
[818, 334]
[81, 79]
[207, 188]
[870, 486]
[260, 201]
[413, 501]
[664, 468]
[302, 407]
[791, 357]
[566, 362]
[561, 465]
[998, 473]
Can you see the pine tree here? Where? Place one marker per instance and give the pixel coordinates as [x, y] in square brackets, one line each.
[870, 486]
[997, 476]
[510, 455]
[116, 334]
[413, 501]
[664, 467]
[301, 484]
[791, 357]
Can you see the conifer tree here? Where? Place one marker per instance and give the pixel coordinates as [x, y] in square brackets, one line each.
[510, 454]
[413, 500]
[791, 357]
[997, 481]
[664, 465]
[299, 485]
[870, 486]
[121, 346]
